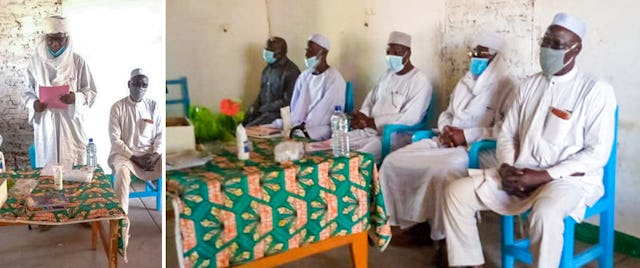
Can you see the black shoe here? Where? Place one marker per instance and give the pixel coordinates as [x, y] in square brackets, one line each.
[419, 234]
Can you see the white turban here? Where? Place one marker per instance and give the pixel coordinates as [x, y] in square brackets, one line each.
[136, 72]
[571, 23]
[400, 38]
[490, 40]
[55, 24]
[321, 40]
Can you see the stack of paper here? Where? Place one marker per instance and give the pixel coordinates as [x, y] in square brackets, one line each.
[264, 131]
[186, 159]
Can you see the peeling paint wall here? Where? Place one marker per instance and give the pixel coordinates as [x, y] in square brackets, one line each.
[19, 22]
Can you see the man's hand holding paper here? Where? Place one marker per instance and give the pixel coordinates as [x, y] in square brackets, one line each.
[55, 97]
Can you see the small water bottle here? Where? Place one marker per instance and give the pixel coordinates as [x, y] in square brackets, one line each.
[339, 132]
[242, 143]
[92, 157]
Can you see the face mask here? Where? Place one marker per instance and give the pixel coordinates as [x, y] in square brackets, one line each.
[267, 55]
[395, 63]
[56, 54]
[311, 62]
[478, 65]
[552, 60]
[137, 93]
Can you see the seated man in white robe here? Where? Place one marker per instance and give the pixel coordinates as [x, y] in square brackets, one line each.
[58, 128]
[414, 177]
[135, 128]
[554, 143]
[318, 90]
[401, 96]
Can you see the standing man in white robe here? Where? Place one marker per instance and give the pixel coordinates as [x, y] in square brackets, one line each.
[401, 96]
[553, 146]
[318, 90]
[414, 177]
[59, 134]
[135, 128]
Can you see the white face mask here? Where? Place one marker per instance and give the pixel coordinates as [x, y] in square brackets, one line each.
[552, 60]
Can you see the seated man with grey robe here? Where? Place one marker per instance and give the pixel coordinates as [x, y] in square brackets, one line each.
[401, 96]
[554, 143]
[136, 130]
[414, 177]
[276, 84]
[318, 90]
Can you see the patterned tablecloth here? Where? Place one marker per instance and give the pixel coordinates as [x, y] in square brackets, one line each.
[232, 212]
[86, 202]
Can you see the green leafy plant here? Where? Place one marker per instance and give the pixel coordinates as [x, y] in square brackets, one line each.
[210, 126]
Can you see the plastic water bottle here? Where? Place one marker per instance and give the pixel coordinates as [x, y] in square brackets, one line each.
[339, 132]
[92, 157]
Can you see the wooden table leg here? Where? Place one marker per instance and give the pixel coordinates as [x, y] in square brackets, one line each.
[113, 244]
[94, 235]
[359, 250]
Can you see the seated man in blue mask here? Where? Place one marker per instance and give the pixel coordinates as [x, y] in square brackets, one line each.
[276, 84]
[318, 90]
[414, 177]
[401, 96]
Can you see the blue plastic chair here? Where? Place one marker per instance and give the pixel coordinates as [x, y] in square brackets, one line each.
[348, 100]
[184, 94]
[150, 190]
[513, 249]
[32, 155]
[391, 129]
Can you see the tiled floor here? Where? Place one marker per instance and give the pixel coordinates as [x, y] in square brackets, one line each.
[70, 246]
[399, 254]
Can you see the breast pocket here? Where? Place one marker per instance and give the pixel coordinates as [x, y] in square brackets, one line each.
[557, 126]
[145, 127]
[397, 99]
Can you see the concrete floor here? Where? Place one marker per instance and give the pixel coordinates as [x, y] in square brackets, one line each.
[70, 246]
[400, 254]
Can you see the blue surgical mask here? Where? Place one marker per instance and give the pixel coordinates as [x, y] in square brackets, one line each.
[395, 63]
[312, 62]
[552, 60]
[478, 65]
[267, 55]
[56, 54]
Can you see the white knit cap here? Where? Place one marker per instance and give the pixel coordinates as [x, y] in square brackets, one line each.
[136, 72]
[321, 40]
[490, 40]
[400, 38]
[55, 24]
[571, 23]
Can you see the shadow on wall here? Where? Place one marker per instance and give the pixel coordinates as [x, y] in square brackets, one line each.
[253, 73]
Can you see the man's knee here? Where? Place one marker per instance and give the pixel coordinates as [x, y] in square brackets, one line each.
[122, 172]
[458, 190]
[546, 211]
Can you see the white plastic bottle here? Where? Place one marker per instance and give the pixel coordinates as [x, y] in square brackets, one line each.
[92, 157]
[1, 162]
[339, 132]
[242, 142]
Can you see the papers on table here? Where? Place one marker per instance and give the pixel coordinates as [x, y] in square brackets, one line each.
[83, 174]
[51, 96]
[186, 159]
[264, 132]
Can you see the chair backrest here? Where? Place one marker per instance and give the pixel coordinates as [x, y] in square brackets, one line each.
[609, 172]
[178, 102]
[32, 155]
[348, 100]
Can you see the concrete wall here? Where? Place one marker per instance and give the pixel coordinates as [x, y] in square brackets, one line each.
[217, 45]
